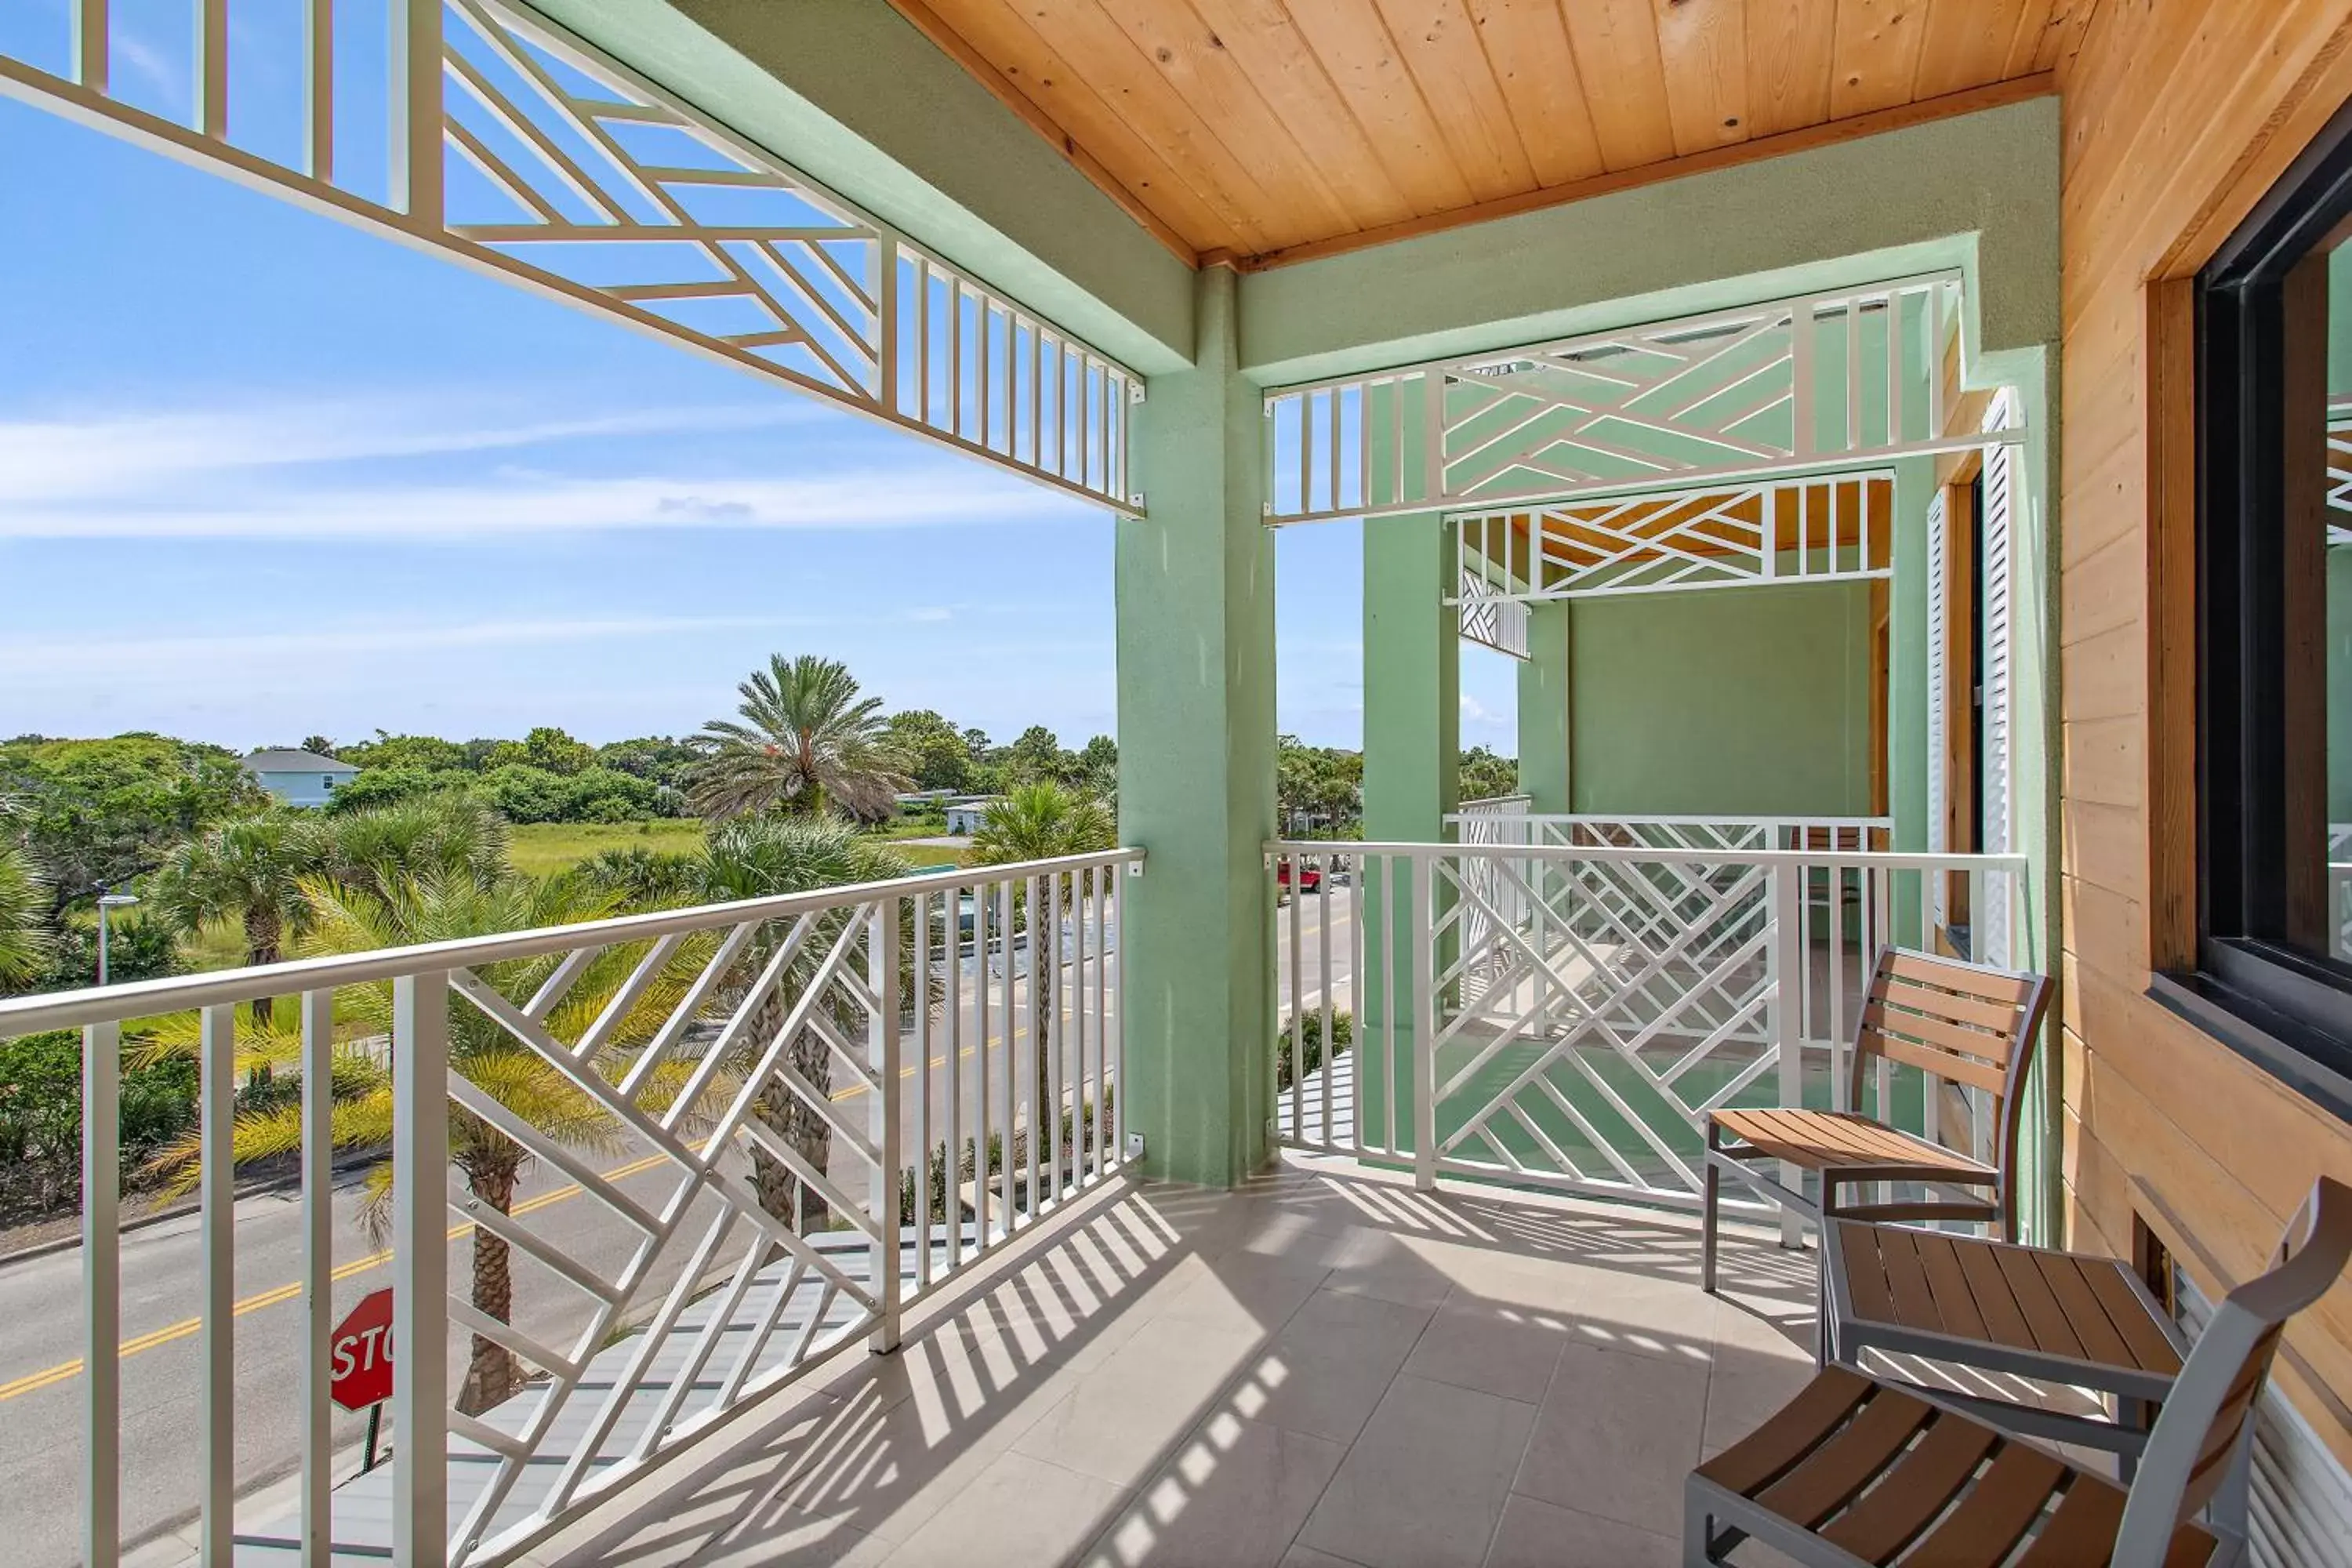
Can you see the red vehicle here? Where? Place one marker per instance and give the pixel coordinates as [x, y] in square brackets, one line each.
[1310, 877]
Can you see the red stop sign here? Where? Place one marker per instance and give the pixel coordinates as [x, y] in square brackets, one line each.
[359, 1355]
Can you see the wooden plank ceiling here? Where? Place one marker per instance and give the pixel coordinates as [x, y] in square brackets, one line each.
[1262, 129]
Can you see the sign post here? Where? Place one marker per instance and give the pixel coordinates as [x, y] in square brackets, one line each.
[359, 1364]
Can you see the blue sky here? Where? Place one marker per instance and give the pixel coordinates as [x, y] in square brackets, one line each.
[263, 475]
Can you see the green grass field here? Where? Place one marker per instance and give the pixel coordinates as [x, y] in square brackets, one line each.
[543, 849]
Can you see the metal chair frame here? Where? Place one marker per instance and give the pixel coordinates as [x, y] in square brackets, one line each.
[2197, 1461]
[1999, 1208]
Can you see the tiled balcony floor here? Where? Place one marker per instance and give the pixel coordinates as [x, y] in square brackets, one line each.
[1322, 1369]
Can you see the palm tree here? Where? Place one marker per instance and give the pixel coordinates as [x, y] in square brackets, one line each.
[439, 908]
[451, 833]
[807, 740]
[1037, 821]
[759, 857]
[23, 940]
[249, 869]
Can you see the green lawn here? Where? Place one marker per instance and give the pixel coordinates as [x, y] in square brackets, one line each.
[543, 849]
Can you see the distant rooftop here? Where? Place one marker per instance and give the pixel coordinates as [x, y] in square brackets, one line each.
[287, 762]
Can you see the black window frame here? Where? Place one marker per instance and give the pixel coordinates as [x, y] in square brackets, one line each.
[2287, 1009]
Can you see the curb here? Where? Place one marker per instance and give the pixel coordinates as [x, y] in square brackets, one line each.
[182, 1209]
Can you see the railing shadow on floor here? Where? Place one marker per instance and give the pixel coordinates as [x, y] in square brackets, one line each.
[871, 1457]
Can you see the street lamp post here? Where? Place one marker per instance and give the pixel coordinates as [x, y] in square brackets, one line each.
[107, 904]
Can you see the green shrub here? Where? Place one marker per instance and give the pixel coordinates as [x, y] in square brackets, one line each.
[1311, 1031]
[1086, 1125]
[377, 786]
[40, 1116]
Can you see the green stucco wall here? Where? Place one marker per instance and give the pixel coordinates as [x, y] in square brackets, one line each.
[1979, 190]
[1544, 760]
[1412, 680]
[1747, 701]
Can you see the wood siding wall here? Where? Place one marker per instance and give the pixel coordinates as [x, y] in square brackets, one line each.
[2178, 115]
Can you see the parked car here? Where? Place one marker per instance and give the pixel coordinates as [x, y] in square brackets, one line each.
[1310, 877]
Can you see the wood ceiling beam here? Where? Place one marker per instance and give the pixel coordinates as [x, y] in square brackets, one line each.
[1994, 96]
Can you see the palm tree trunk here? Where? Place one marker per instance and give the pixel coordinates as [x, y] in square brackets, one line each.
[1046, 1101]
[493, 1375]
[262, 935]
[806, 1133]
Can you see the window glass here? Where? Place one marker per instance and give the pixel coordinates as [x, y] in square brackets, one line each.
[2316, 518]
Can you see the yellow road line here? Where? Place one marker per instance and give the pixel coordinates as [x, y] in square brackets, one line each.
[855, 1089]
[33, 1381]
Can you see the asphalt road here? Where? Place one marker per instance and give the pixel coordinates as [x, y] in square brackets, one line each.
[41, 1315]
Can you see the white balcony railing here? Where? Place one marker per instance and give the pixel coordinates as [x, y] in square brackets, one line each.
[788, 1075]
[1505, 819]
[1584, 1006]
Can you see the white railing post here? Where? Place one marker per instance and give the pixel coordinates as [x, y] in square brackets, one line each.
[417, 112]
[420, 1271]
[318, 1272]
[883, 1117]
[1787, 978]
[1421, 891]
[216, 1108]
[101, 1289]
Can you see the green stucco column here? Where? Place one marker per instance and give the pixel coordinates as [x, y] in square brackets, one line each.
[1906, 655]
[1906, 675]
[1195, 583]
[1543, 709]
[1413, 749]
[1413, 678]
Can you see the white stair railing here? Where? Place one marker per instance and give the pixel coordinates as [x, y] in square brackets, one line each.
[833, 1101]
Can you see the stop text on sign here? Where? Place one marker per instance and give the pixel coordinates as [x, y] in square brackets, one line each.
[359, 1354]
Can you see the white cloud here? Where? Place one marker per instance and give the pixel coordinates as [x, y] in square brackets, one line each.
[268, 471]
[1477, 715]
[131, 455]
[537, 504]
[80, 660]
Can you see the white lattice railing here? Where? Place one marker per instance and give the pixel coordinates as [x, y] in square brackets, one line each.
[1837, 380]
[784, 1076]
[1477, 816]
[1582, 1027]
[1811, 529]
[524, 151]
[1496, 823]
[1491, 618]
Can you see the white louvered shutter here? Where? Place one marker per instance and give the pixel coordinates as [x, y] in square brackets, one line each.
[1992, 941]
[1938, 619]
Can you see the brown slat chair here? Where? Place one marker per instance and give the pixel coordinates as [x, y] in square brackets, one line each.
[1853, 1472]
[1964, 1024]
